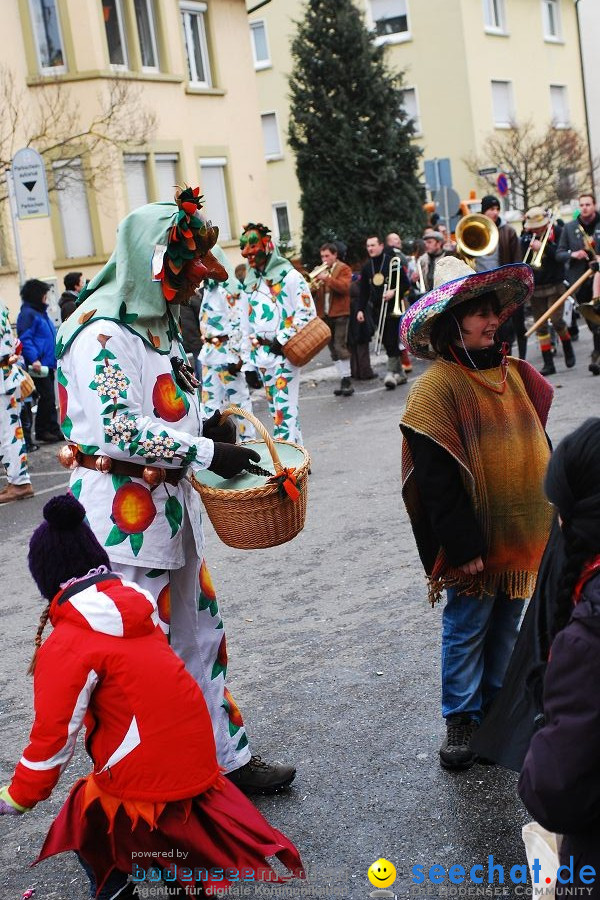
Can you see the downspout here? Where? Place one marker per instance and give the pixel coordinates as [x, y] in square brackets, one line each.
[585, 103]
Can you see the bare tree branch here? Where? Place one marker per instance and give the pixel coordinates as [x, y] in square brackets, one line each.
[545, 169]
[50, 119]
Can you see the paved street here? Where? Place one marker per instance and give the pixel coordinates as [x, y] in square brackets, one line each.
[334, 661]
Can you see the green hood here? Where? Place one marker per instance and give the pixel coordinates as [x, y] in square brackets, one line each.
[123, 291]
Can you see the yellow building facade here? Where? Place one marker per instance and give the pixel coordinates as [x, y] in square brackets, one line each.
[188, 64]
[471, 67]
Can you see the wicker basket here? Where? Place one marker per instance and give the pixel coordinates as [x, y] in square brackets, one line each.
[309, 341]
[257, 517]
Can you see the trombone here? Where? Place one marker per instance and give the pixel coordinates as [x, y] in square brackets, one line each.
[535, 260]
[310, 277]
[394, 270]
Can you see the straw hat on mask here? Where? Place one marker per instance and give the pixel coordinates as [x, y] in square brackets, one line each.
[455, 282]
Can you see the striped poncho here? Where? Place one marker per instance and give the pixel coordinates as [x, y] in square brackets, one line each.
[499, 443]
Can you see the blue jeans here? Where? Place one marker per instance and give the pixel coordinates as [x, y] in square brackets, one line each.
[478, 635]
[115, 884]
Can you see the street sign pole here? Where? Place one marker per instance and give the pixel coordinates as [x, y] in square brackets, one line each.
[15, 225]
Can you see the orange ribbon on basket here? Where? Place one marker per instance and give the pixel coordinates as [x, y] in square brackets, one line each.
[286, 481]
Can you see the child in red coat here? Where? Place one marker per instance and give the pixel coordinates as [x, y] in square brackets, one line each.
[156, 791]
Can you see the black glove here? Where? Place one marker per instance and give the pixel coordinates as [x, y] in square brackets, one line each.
[275, 347]
[234, 368]
[231, 459]
[253, 380]
[214, 431]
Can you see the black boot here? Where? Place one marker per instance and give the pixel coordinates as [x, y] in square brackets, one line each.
[27, 424]
[569, 353]
[455, 752]
[594, 366]
[345, 389]
[548, 368]
[522, 347]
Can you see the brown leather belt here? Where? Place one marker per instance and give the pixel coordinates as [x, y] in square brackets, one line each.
[152, 475]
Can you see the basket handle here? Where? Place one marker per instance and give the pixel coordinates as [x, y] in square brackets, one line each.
[238, 411]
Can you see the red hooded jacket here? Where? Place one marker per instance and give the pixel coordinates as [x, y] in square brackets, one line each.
[107, 664]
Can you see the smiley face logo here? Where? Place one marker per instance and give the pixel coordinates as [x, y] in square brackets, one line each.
[381, 873]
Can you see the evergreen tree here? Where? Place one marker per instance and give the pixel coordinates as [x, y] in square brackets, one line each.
[355, 161]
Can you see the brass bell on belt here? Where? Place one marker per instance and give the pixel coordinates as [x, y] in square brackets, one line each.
[68, 456]
[103, 464]
[153, 475]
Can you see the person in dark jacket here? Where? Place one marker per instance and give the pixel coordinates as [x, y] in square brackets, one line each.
[74, 282]
[189, 321]
[38, 337]
[560, 780]
[508, 251]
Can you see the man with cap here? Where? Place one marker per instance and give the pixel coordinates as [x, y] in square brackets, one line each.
[131, 411]
[473, 461]
[579, 246]
[434, 251]
[507, 251]
[548, 278]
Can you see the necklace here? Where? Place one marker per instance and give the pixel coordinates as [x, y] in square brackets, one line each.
[498, 387]
[377, 277]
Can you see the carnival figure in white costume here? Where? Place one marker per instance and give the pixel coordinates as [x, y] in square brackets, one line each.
[279, 305]
[13, 453]
[223, 326]
[130, 407]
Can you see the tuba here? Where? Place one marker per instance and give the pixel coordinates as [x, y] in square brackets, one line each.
[476, 235]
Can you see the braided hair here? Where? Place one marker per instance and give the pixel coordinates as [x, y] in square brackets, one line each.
[38, 638]
[573, 486]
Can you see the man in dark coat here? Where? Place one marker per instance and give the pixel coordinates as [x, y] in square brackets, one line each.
[508, 251]
[74, 282]
[578, 246]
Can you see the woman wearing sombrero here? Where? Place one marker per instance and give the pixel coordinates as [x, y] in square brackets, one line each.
[474, 457]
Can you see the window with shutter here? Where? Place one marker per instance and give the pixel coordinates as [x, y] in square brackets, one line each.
[271, 135]
[214, 189]
[74, 210]
[136, 179]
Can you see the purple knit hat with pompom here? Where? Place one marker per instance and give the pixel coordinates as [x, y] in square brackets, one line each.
[63, 546]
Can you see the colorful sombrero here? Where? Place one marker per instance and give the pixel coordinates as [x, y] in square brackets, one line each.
[454, 282]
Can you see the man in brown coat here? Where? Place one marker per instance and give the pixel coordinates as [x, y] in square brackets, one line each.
[331, 292]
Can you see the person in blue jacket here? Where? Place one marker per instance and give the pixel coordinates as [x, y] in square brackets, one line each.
[38, 337]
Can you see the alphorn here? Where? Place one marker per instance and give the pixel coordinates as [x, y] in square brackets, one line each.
[559, 302]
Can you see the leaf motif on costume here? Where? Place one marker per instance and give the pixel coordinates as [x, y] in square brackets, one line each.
[89, 449]
[153, 338]
[66, 426]
[136, 541]
[220, 664]
[124, 316]
[243, 742]
[119, 480]
[85, 317]
[116, 536]
[76, 488]
[104, 354]
[267, 312]
[174, 514]
[155, 573]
